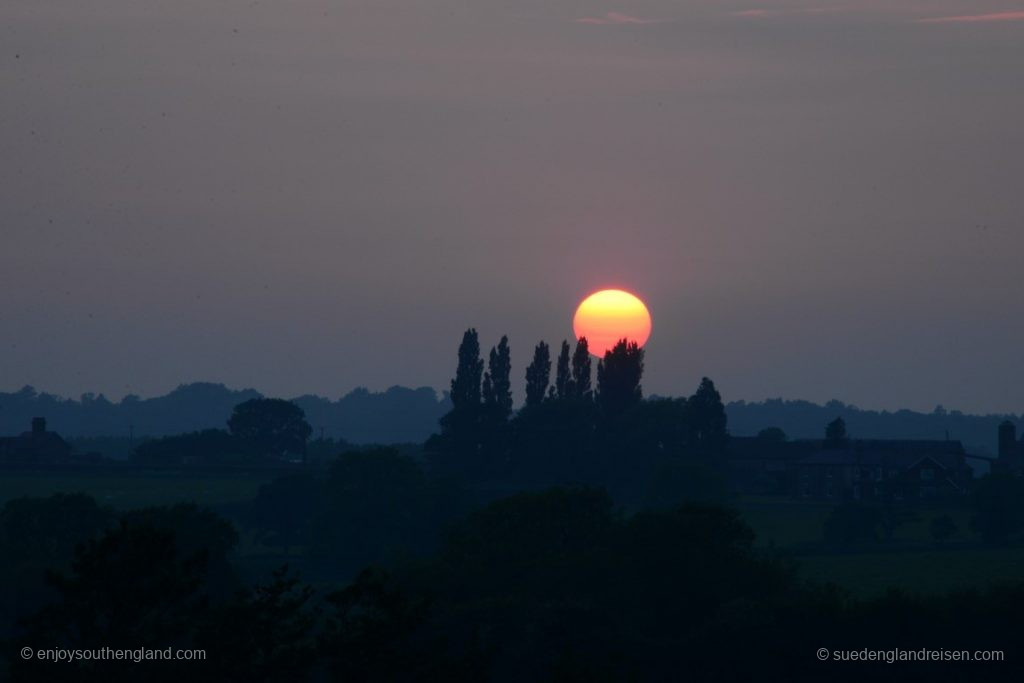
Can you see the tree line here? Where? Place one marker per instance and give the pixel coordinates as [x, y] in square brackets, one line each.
[572, 430]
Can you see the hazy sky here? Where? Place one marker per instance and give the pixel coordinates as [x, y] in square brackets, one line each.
[817, 199]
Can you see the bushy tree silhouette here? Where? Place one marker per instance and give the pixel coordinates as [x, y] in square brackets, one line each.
[377, 506]
[273, 426]
[284, 508]
[129, 588]
[369, 631]
[772, 435]
[263, 635]
[998, 504]
[618, 378]
[706, 416]
[835, 432]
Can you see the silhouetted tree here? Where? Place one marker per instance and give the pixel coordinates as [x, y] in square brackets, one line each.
[205, 447]
[511, 540]
[835, 432]
[618, 378]
[196, 530]
[538, 375]
[773, 435]
[581, 387]
[273, 426]
[377, 506]
[378, 632]
[284, 508]
[998, 503]
[130, 586]
[563, 378]
[465, 387]
[325, 450]
[456, 449]
[263, 635]
[706, 415]
[497, 384]
[553, 443]
[43, 532]
[39, 534]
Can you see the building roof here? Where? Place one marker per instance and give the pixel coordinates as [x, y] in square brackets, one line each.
[757, 448]
[889, 453]
[34, 446]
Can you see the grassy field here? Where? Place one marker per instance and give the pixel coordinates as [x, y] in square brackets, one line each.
[785, 522]
[133, 490]
[922, 572]
[919, 565]
[911, 561]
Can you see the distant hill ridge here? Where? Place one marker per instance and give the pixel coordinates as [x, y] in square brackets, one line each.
[398, 414]
[401, 414]
[803, 419]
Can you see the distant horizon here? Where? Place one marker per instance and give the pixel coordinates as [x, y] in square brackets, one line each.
[441, 394]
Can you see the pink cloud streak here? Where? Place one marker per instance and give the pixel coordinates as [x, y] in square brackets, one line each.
[614, 19]
[759, 13]
[975, 18]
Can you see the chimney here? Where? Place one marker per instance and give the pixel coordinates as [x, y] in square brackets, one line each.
[1007, 439]
[38, 425]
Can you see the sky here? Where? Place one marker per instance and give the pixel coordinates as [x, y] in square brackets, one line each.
[817, 199]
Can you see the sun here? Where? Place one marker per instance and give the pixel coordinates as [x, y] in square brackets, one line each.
[607, 316]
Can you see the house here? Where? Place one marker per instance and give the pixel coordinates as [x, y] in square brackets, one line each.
[35, 446]
[757, 465]
[849, 469]
[882, 470]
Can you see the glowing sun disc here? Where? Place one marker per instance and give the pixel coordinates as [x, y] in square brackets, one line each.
[607, 316]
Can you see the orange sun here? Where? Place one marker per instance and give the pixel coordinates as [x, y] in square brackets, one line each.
[607, 316]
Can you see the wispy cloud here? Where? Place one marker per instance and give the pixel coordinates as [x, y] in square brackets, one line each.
[975, 18]
[615, 19]
[760, 13]
[754, 13]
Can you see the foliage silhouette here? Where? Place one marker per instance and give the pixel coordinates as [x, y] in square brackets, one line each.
[618, 378]
[835, 432]
[264, 635]
[998, 507]
[563, 387]
[538, 375]
[284, 508]
[706, 414]
[274, 427]
[581, 370]
[131, 588]
[497, 384]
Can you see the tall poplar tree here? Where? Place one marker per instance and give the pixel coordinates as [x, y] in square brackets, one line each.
[538, 375]
[465, 394]
[563, 376]
[581, 370]
[497, 385]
